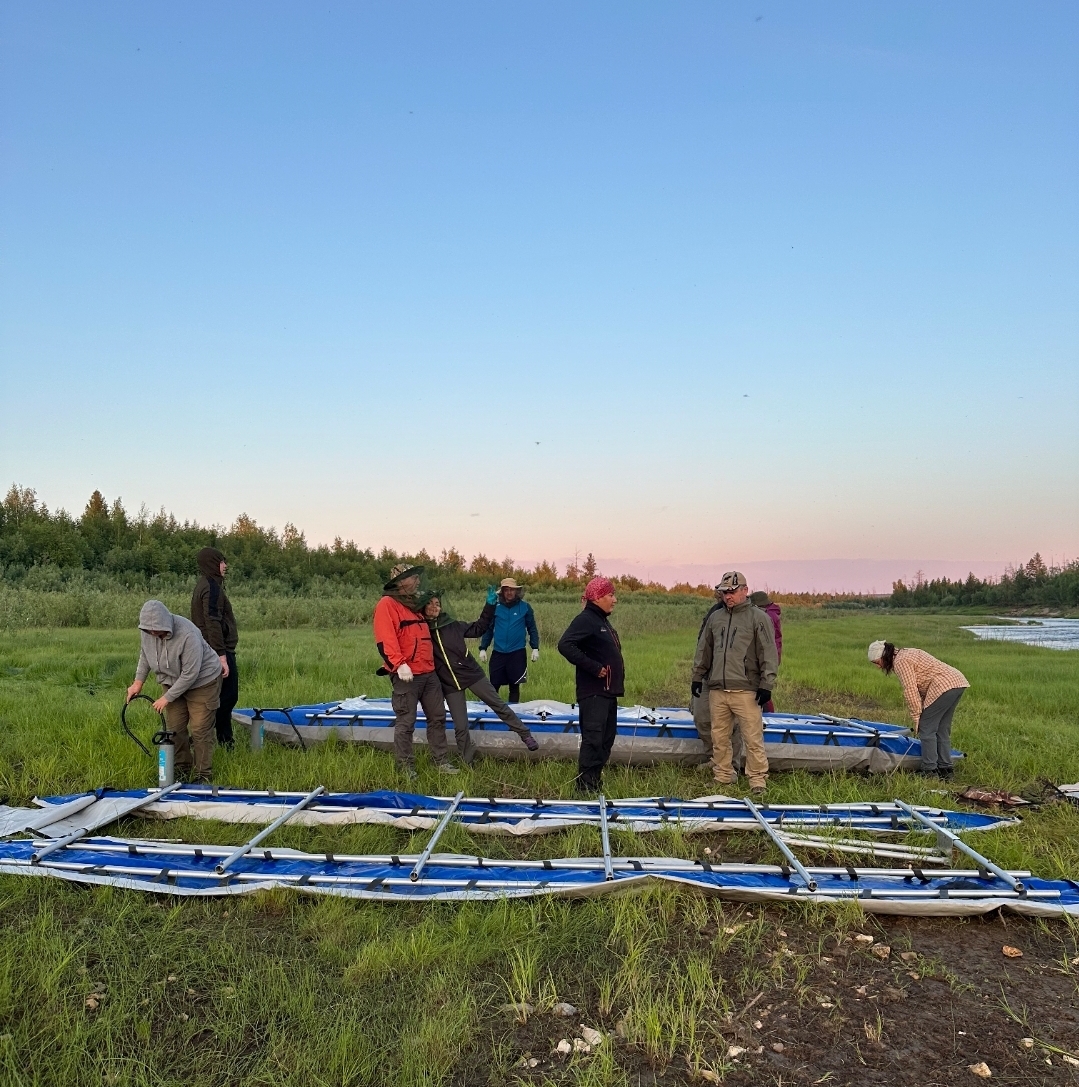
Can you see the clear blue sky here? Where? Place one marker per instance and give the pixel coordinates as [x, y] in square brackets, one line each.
[764, 282]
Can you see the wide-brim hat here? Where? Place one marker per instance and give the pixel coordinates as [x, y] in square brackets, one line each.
[509, 583]
[760, 599]
[732, 579]
[400, 572]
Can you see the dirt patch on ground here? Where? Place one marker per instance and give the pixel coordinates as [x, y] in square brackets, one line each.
[945, 997]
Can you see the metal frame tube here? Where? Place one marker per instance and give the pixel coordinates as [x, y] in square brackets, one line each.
[279, 821]
[846, 891]
[82, 832]
[425, 856]
[608, 870]
[792, 860]
[945, 835]
[628, 865]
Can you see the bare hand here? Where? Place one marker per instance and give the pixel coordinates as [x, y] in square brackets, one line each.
[604, 672]
[133, 690]
[224, 665]
[160, 704]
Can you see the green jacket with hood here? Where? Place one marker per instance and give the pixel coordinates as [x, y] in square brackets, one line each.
[181, 662]
[211, 611]
[737, 650]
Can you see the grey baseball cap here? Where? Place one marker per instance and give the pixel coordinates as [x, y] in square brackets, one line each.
[730, 581]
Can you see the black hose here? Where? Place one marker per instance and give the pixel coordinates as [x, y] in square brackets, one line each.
[161, 736]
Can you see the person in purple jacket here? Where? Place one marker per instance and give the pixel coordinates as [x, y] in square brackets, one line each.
[772, 610]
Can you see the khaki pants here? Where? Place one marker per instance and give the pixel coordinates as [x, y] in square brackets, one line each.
[192, 718]
[727, 708]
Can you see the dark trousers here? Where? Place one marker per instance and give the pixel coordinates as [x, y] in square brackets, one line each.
[935, 731]
[509, 670]
[230, 695]
[458, 704]
[599, 723]
[422, 690]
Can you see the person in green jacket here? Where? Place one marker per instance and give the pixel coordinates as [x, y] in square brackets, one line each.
[736, 660]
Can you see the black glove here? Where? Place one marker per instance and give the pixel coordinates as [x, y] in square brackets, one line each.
[695, 688]
[763, 697]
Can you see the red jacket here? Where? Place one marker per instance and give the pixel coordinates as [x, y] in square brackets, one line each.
[403, 637]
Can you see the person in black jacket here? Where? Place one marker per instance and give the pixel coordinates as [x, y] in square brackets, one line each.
[591, 645]
[212, 613]
[457, 671]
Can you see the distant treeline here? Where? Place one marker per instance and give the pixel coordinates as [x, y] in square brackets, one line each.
[135, 551]
[1027, 586]
[108, 548]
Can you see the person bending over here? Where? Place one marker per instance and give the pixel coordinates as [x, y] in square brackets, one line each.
[403, 640]
[591, 645]
[932, 690]
[212, 613]
[514, 618]
[458, 673]
[189, 672]
[736, 659]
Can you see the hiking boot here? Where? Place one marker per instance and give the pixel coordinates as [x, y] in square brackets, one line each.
[945, 773]
[530, 743]
[447, 768]
[757, 790]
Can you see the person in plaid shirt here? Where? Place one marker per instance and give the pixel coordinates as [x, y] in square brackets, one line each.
[932, 690]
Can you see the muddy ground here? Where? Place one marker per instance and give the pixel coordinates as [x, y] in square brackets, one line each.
[945, 997]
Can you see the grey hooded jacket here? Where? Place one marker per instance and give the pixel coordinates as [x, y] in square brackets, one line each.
[182, 661]
[737, 650]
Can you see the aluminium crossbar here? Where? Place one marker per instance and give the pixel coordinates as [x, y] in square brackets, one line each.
[425, 856]
[953, 841]
[608, 870]
[243, 850]
[82, 832]
[782, 846]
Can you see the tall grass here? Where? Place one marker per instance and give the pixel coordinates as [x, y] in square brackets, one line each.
[286, 989]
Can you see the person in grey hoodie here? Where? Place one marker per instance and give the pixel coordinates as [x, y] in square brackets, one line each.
[189, 672]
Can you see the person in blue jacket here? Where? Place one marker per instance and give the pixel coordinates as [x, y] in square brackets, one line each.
[514, 618]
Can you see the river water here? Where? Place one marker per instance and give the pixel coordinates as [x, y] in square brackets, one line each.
[1047, 633]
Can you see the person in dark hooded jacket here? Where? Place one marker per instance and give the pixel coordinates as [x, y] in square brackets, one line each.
[212, 613]
[457, 672]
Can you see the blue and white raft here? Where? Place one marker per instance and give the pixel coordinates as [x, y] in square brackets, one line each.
[63, 845]
[646, 735]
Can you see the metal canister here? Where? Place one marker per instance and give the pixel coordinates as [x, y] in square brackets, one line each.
[166, 762]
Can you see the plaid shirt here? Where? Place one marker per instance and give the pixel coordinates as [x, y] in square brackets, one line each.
[924, 679]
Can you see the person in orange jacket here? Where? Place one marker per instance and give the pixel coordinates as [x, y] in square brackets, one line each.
[403, 639]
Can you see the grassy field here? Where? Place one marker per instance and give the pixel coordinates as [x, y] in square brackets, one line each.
[287, 989]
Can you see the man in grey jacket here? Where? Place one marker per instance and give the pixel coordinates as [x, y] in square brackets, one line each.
[189, 672]
[736, 659]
